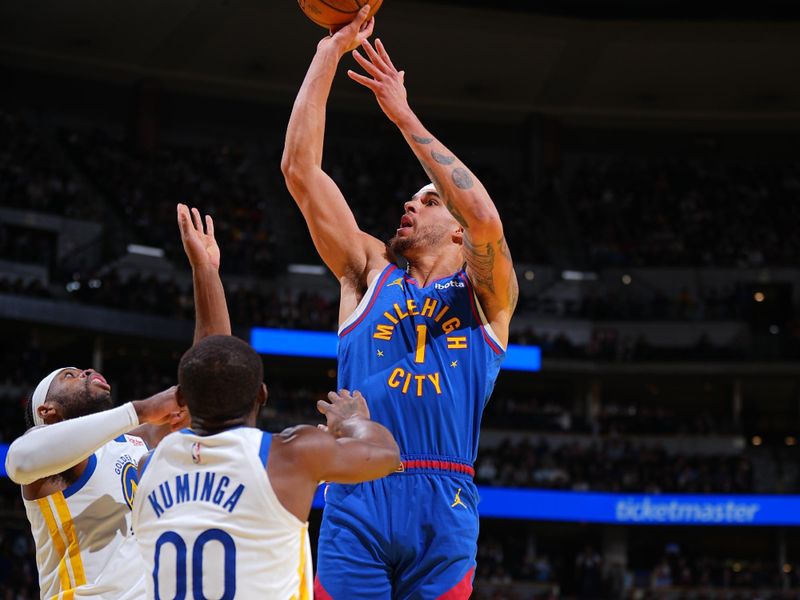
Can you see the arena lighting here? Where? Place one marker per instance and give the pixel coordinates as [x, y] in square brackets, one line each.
[324, 344]
[756, 441]
[626, 279]
[307, 269]
[578, 276]
[759, 296]
[530, 275]
[145, 250]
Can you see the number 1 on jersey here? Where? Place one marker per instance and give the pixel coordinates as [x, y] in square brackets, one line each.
[422, 336]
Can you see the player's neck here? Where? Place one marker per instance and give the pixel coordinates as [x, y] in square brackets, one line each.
[437, 264]
[205, 427]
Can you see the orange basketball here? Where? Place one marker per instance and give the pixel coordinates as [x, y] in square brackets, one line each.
[332, 14]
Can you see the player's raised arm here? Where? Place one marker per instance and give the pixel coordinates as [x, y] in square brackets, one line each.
[211, 310]
[488, 258]
[336, 235]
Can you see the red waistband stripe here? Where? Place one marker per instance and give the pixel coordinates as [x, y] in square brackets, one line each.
[437, 465]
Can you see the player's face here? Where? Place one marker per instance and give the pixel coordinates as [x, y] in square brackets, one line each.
[80, 392]
[426, 222]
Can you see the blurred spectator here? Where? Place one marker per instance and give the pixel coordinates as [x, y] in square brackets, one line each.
[31, 179]
[611, 465]
[635, 211]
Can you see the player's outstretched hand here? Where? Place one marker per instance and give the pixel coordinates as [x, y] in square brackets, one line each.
[351, 35]
[341, 407]
[160, 409]
[198, 243]
[386, 82]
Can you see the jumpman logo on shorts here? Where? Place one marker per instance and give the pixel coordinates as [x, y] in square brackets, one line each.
[458, 501]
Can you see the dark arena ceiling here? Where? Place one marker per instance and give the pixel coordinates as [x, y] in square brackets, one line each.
[570, 59]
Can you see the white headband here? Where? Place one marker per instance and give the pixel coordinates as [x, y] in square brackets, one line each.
[430, 188]
[40, 394]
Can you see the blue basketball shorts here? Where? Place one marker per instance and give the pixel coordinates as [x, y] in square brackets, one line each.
[411, 535]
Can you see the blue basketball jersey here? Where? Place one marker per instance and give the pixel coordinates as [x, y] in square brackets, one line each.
[426, 360]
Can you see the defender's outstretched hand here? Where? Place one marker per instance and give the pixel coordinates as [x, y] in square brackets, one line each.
[351, 35]
[387, 83]
[341, 407]
[160, 409]
[199, 244]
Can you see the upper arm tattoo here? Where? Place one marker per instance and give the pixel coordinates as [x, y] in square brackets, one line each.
[421, 140]
[481, 261]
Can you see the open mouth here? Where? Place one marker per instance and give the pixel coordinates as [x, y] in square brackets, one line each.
[406, 222]
[99, 381]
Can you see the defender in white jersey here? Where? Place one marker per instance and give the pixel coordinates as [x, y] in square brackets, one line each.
[77, 469]
[77, 466]
[221, 510]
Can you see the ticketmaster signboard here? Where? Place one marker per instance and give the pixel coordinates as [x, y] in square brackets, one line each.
[678, 509]
[627, 509]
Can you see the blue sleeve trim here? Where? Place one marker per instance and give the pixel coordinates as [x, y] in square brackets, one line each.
[263, 451]
[143, 463]
[120, 438]
[83, 479]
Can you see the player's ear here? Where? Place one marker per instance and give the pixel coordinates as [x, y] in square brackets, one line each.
[179, 396]
[458, 235]
[263, 394]
[49, 413]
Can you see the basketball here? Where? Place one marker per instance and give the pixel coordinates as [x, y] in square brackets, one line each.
[332, 14]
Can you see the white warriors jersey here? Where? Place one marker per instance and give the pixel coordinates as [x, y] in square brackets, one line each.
[209, 524]
[84, 543]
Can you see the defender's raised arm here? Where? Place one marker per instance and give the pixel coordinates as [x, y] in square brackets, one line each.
[337, 237]
[211, 309]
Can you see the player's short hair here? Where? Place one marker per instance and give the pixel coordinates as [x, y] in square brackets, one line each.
[29, 413]
[220, 378]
